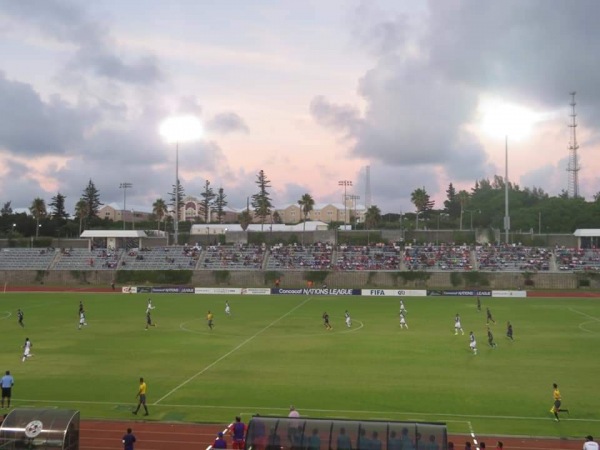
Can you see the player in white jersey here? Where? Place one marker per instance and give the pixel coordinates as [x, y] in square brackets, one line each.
[149, 306]
[348, 319]
[402, 308]
[227, 309]
[27, 349]
[82, 321]
[472, 343]
[403, 321]
[457, 325]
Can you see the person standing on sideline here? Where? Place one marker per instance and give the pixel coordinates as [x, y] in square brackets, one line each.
[7, 383]
[403, 321]
[238, 431]
[20, 317]
[457, 325]
[27, 349]
[499, 445]
[141, 395]
[509, 331]
[557, 402]
[227, 308]
[219, 441]
[590, 444]
[472, 343]
[209, 320]
[128, 440]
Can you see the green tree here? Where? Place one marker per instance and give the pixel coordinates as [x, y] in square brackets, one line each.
[91, 196]
[58, 212]
[159, 209]
[463, 201]
[220, 204]
[452, 204]
[372, 217]
[306, 204]
[423, 203]
[6, 209]
[245, 219]
[81, 212]
[38, 211]
[177, 195]
[208, 199]
[261, 202]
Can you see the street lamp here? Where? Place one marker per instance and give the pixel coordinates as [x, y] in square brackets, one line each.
[345, 183]
[125, 185]
[176, 130]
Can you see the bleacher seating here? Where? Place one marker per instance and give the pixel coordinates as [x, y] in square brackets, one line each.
[513, 258]
[26, 258]
[289, 257]
[378, 256]
[161, 258]
[84, 259]
[246, 256]
[570, 259]
[438, 257]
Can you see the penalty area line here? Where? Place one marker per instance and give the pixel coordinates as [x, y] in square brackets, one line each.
[258, 333]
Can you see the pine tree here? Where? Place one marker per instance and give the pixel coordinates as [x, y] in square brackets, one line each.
[220, 204]
[172, 202]
[6, 209]
[58, 208]
[91, 197]
[208, 200]
[261, 202]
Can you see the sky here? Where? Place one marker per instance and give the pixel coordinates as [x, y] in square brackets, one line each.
[311, 92]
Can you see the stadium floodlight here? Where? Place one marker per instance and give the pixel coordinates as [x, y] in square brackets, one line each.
[345, 183]
[175, 130]
[125, 185]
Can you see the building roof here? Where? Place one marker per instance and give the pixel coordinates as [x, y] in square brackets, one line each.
[587, 232]
[199, 229]
[114, 234]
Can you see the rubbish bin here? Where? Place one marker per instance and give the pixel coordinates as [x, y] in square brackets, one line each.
[29, 428]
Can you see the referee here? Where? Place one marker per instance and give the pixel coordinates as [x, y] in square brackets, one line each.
[7, 382]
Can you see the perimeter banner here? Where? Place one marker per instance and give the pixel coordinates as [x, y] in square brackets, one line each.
[517, 294]
[459, 293]
[218, 291]
[315, 291]
[394, 292]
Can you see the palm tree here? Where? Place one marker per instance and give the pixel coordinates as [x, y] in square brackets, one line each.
[159, 208]
[81, 211]
[306, 204]
[372, 217]
[422, 202]
[38, 211]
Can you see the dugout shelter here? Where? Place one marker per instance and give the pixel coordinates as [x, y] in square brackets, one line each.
[43, 429]
[287, 433]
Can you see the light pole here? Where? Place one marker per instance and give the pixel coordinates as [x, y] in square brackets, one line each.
[345, 183]
[471, 211]
[132, 219]
[506, 216]
[354, 198]
[125, 185]
[176, 224]
[207, 236]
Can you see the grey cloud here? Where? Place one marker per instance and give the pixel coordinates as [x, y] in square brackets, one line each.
[69, 22]
[34, 127]
[337, 117]
[228, 122]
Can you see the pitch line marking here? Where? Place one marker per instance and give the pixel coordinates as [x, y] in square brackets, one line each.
[6, 315]
[197, 374]
[582, 324]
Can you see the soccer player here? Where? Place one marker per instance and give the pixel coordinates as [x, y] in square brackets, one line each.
[149, 322]
[80, 306]
[326, 321]
[472, 343]
[403, 321]
[82, 321]
[402, 308]
[509, 331]
[557, 402]
[20, 317]
[209, 320]
[27, 349]
[489, 317]
[491, 338]
[227, 308]
[141, 395]
[348, 319]
[149, 306]
[478, 304]
[457, 325]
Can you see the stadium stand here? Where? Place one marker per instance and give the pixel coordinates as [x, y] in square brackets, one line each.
[513, 258]
[84, 259]
[245, 256]
[570, 259]
[26, 258]
[378, 256]
[161, 258]
[288, 257]
[438, 257]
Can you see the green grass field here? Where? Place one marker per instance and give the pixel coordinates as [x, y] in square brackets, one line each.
[274, 352]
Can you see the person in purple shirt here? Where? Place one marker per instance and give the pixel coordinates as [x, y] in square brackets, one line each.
[237, 431]
[128, 440]
[219, 441]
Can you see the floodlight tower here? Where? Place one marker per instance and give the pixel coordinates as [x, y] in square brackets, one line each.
[573, 167]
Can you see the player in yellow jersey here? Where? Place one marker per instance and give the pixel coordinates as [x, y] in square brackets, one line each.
[209, 320]
[557, 402]
[141, 395]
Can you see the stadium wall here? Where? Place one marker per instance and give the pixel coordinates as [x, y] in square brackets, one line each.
[381, 280]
